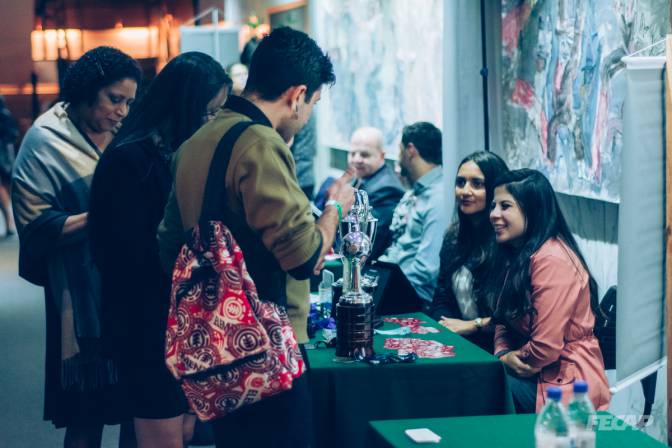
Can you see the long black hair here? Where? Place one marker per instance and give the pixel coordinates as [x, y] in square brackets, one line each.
[470, 240]
[544, 220]
[176, 100]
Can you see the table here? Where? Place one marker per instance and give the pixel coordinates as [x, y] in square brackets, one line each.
[347, 396]
[498, 431]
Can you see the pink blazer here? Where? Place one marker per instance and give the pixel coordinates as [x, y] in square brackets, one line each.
[559, 337]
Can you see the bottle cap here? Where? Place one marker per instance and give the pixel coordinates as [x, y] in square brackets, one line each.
[580, 387]
[554, 393]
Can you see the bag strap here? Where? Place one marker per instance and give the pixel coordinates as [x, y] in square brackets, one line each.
[213, 197]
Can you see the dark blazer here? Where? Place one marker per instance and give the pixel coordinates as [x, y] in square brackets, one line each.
[385, 191]
[128, 195]
[444, 303]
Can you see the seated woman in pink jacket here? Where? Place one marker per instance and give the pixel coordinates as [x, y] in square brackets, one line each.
[545, 298]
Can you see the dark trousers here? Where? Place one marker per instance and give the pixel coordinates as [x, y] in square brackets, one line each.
[524, 391]
[281, 421]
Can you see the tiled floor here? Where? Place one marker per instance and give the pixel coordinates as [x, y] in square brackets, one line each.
[22, 336]
[22, 331]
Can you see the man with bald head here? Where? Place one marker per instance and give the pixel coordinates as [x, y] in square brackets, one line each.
[367, 159]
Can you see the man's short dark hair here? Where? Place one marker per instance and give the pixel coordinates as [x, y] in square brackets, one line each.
[287, 58]
[96, 69]
[427, 138]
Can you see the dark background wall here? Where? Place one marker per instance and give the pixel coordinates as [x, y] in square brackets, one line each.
[16, 21]
[19, 18]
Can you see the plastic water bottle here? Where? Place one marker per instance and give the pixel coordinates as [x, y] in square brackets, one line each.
[581, 416]
[552, 428]
[326, 292]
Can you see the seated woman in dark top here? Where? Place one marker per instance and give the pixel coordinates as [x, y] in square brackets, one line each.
[466, 249]
[129, 192]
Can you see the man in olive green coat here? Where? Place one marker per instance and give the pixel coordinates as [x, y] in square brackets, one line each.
[274, 224]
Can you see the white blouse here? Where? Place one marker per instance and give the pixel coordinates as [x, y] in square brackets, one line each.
[463, 282]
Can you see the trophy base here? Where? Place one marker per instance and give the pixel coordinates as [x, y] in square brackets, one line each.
[354, 329]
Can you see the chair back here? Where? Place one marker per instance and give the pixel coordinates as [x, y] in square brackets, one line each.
[605, 328]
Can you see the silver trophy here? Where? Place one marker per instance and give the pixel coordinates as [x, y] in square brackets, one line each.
[356, 235]
[354, 311]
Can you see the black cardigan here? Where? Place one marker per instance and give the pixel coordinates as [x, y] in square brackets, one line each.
[444, 303]
[129, 192]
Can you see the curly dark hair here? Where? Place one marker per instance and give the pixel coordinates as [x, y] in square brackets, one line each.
[287, 58]
[96, 69]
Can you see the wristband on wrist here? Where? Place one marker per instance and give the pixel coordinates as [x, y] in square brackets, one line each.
[338, 207]
[501, 353]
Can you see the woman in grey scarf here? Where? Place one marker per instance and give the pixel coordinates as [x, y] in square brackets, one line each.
[50, 197]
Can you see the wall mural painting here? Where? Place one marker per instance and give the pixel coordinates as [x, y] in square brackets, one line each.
[564, 86]
[387, 59]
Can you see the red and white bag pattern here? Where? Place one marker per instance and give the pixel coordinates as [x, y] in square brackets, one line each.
[227, 347]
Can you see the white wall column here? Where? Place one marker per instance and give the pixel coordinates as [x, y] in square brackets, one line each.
[462, 87]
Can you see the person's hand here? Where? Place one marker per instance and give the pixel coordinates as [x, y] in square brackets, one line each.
[318, 267]
[342, 191]
[459, 326]
[75, 223]
[514, 363]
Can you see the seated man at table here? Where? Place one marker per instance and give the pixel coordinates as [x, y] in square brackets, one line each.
[367, 159]
[421, 217]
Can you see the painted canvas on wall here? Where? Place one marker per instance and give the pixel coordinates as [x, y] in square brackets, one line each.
[564, 86]
[387, 59]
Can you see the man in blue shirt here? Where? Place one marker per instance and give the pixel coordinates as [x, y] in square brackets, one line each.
[421, 218]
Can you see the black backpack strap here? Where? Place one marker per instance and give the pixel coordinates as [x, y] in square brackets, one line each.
[213, 197]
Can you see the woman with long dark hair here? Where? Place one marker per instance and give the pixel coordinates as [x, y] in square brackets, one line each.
[459, 304]
[129, 192]
[546, 298]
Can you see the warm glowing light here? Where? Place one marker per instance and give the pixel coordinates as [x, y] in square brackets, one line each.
[27, 89]
[138, 42]
[118, 24]
[47, 45]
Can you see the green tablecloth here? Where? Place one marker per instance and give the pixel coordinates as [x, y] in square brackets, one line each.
[498, 431]
[347, 396]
